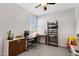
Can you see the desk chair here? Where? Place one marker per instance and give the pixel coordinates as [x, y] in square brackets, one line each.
[31, 41]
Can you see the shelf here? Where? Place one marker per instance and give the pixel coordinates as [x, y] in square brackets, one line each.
[52, 33]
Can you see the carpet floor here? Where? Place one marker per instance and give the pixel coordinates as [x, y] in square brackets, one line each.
[46, 50]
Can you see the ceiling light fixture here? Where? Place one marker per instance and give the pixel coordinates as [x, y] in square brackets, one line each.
[44, 5]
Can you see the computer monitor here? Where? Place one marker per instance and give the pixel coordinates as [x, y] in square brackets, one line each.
[26, 33]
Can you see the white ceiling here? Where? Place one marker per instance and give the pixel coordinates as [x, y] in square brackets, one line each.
[50, 8]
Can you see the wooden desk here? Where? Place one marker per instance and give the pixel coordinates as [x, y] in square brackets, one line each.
[40, 36]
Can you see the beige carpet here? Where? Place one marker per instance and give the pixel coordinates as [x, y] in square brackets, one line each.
[46, 50]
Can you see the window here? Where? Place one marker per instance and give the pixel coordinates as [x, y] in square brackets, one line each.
[32, 24]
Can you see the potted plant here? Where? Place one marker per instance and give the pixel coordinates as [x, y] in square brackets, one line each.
[10, 36]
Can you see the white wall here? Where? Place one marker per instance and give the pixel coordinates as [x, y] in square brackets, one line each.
[14, 18]
[77, 18]
[66, 24]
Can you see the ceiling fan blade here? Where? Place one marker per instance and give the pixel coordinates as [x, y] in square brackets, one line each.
[51, 3]
[38, 6]
[45, 8]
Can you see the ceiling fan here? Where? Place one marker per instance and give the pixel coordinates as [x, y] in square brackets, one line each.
[44, 5]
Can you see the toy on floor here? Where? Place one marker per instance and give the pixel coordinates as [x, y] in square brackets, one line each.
[72, 40]
[74, 50]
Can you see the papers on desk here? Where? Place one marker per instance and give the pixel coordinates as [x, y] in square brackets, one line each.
[32, 36]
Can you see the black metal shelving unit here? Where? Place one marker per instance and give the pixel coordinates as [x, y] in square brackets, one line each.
[52, 33]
